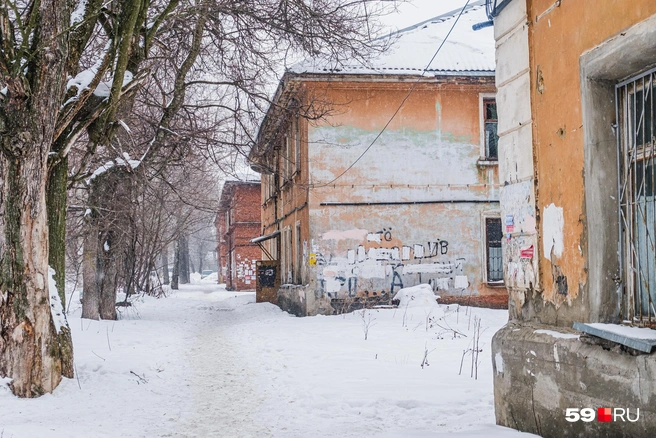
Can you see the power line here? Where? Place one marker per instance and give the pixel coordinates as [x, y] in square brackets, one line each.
[414, 86]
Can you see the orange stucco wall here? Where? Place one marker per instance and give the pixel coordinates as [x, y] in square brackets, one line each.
[430, 151]
[556, 42]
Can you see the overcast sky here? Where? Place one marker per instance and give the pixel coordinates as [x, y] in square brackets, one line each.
[415, 11]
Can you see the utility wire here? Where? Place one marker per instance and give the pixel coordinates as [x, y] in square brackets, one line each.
[414, 86]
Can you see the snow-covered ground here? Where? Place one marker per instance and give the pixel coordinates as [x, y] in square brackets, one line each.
[205, 362]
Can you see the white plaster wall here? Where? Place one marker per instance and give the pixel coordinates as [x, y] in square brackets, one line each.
[406, 245]
[516, 170]
[424, 238]
[403, 165]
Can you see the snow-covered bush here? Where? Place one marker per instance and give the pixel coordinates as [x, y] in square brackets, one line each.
[416, 296]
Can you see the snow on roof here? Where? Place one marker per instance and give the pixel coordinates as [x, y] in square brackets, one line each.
[465, 52]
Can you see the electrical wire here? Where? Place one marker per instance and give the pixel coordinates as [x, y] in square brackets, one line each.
[414, 86]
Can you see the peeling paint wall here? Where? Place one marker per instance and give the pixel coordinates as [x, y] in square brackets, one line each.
[558, 64]
[439, 244]
[542, 151]
[412, 208]
[516, 168]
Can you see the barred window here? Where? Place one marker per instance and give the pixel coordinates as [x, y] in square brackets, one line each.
[493, 236]
[635, 141]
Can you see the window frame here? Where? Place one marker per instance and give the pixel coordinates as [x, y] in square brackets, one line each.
[485, 271]
[298, 264]
[286, 256]
[635, 155]
[296, 136]
[484, 159]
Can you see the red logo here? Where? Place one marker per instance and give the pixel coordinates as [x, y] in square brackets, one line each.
[604, 415]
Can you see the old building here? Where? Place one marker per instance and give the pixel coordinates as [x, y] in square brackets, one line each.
[576, 131]
[237, 222]
[396, 184]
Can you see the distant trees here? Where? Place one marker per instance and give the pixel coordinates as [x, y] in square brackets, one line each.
[139, 84]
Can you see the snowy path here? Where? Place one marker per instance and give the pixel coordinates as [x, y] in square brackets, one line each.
[204, 363]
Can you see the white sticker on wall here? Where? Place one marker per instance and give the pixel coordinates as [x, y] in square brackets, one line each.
[461, 282]
[552, 231]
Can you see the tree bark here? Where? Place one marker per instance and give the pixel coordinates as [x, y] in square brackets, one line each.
[176, 266]
[56, 211]
[106, 242]
[56, 208]
[165, 266]
[90, 292]
[30, 353]
[183, 248]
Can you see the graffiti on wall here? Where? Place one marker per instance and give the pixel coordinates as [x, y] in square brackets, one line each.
[376, 261]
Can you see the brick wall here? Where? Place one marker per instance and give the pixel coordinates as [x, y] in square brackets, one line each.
[240, 201]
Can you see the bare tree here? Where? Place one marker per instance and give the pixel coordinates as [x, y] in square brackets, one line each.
[72, 73]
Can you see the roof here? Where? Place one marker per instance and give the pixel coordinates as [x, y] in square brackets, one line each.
[465, 52]
[228, 190]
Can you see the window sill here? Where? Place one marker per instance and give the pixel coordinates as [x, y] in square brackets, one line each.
[485, 162]
[498, 284]
[641, 339]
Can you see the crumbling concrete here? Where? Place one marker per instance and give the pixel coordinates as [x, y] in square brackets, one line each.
[300, 300]
[540, 372]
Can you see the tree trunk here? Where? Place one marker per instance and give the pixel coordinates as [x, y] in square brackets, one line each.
[56, 210]
[105, 245]
[90, 291]
[108, 274]
[183, 248]
[201, 250]
[165, 265]
[29, 349]
[30, 353]
[176, 266]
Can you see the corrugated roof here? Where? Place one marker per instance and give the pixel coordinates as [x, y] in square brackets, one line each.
[466, 52]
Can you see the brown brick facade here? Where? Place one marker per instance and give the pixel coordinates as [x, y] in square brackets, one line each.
[237, 222]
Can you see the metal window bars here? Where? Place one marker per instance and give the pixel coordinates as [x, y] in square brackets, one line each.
[636, 158]
[494, 235]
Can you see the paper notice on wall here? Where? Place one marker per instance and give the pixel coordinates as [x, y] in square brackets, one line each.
[510, 223]
[527, 253]
[461, 282]
[248, 282]
[312, 260]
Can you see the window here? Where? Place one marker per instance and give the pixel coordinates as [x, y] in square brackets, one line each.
[286, 255]
[298, 264]
[493, 236]
[286, 158]
[637, 127]
[490, 123]
[291, 151]
[269, 186]
[297, 145]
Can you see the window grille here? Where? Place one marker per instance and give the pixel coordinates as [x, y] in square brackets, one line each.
[636, 153]
[493, 236]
